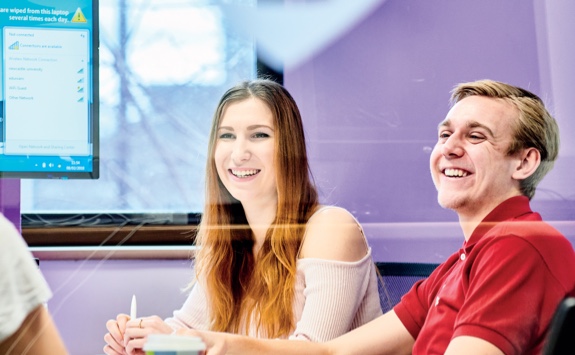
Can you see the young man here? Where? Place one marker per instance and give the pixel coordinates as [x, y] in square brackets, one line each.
[498, 293]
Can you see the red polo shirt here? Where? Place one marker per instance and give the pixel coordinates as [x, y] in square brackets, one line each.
[502, 286]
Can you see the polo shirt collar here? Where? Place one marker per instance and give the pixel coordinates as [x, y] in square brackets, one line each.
[511, 208]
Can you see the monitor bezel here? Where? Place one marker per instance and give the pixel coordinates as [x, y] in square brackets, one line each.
[94, 119]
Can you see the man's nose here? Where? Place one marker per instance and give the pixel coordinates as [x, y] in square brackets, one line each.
[452, 147]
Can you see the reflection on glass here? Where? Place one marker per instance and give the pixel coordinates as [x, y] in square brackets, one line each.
[163, 66]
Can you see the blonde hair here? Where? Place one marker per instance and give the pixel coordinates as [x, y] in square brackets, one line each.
[534, 128]
[242, 287]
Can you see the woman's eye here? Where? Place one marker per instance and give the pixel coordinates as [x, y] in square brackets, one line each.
[261, 135]
[226, 136]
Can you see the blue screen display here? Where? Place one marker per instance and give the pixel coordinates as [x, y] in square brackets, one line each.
[49, 91]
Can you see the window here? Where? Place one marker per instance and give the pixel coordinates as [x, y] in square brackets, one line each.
[163, 66]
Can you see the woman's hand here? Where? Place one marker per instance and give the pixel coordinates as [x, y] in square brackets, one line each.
[127, 337]
[137, 330]
[115, 337]
[215, 342]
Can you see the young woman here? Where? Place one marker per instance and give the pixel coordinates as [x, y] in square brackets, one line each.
[273, 262]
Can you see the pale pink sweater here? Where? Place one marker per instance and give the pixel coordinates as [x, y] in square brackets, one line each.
[331, 298]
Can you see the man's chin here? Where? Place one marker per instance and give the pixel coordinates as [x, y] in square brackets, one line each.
[450, 202]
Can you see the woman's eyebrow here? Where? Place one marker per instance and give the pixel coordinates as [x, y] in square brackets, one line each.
[258, 126]
[225, 128]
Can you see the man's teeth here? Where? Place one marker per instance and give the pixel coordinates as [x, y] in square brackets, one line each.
[455, 173]
[244, 173]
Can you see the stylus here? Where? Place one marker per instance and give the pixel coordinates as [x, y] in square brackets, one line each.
[133, 308]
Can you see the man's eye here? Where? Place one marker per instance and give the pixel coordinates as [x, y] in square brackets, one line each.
[476, 136]
[444, 135]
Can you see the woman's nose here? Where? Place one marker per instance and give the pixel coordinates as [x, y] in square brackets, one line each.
[240, 151]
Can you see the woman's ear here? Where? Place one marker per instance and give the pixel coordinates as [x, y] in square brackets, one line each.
[529, 160]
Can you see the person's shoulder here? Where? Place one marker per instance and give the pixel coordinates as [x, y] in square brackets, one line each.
[529, 239]
[329, 214]
[10, 238]
[532, 229]
[333, 233]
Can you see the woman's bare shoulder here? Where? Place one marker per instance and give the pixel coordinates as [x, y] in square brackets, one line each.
[333, 233]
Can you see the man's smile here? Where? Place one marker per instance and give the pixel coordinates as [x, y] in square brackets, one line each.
[452, 172]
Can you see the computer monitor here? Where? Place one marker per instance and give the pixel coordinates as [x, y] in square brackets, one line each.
[49, 89]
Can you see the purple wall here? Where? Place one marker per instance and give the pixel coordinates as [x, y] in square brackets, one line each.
[371, 103]
[10, 200]
[89, 292]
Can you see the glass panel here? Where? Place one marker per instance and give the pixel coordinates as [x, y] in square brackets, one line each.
[163, 66]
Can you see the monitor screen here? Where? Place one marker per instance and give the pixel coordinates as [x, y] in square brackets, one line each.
[49, 89]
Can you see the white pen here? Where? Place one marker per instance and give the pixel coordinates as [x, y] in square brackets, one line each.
[133, 308]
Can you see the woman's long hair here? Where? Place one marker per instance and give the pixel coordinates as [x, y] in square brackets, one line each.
[244, 290]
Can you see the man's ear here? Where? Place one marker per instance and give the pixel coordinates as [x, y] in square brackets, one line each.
[529, 160]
